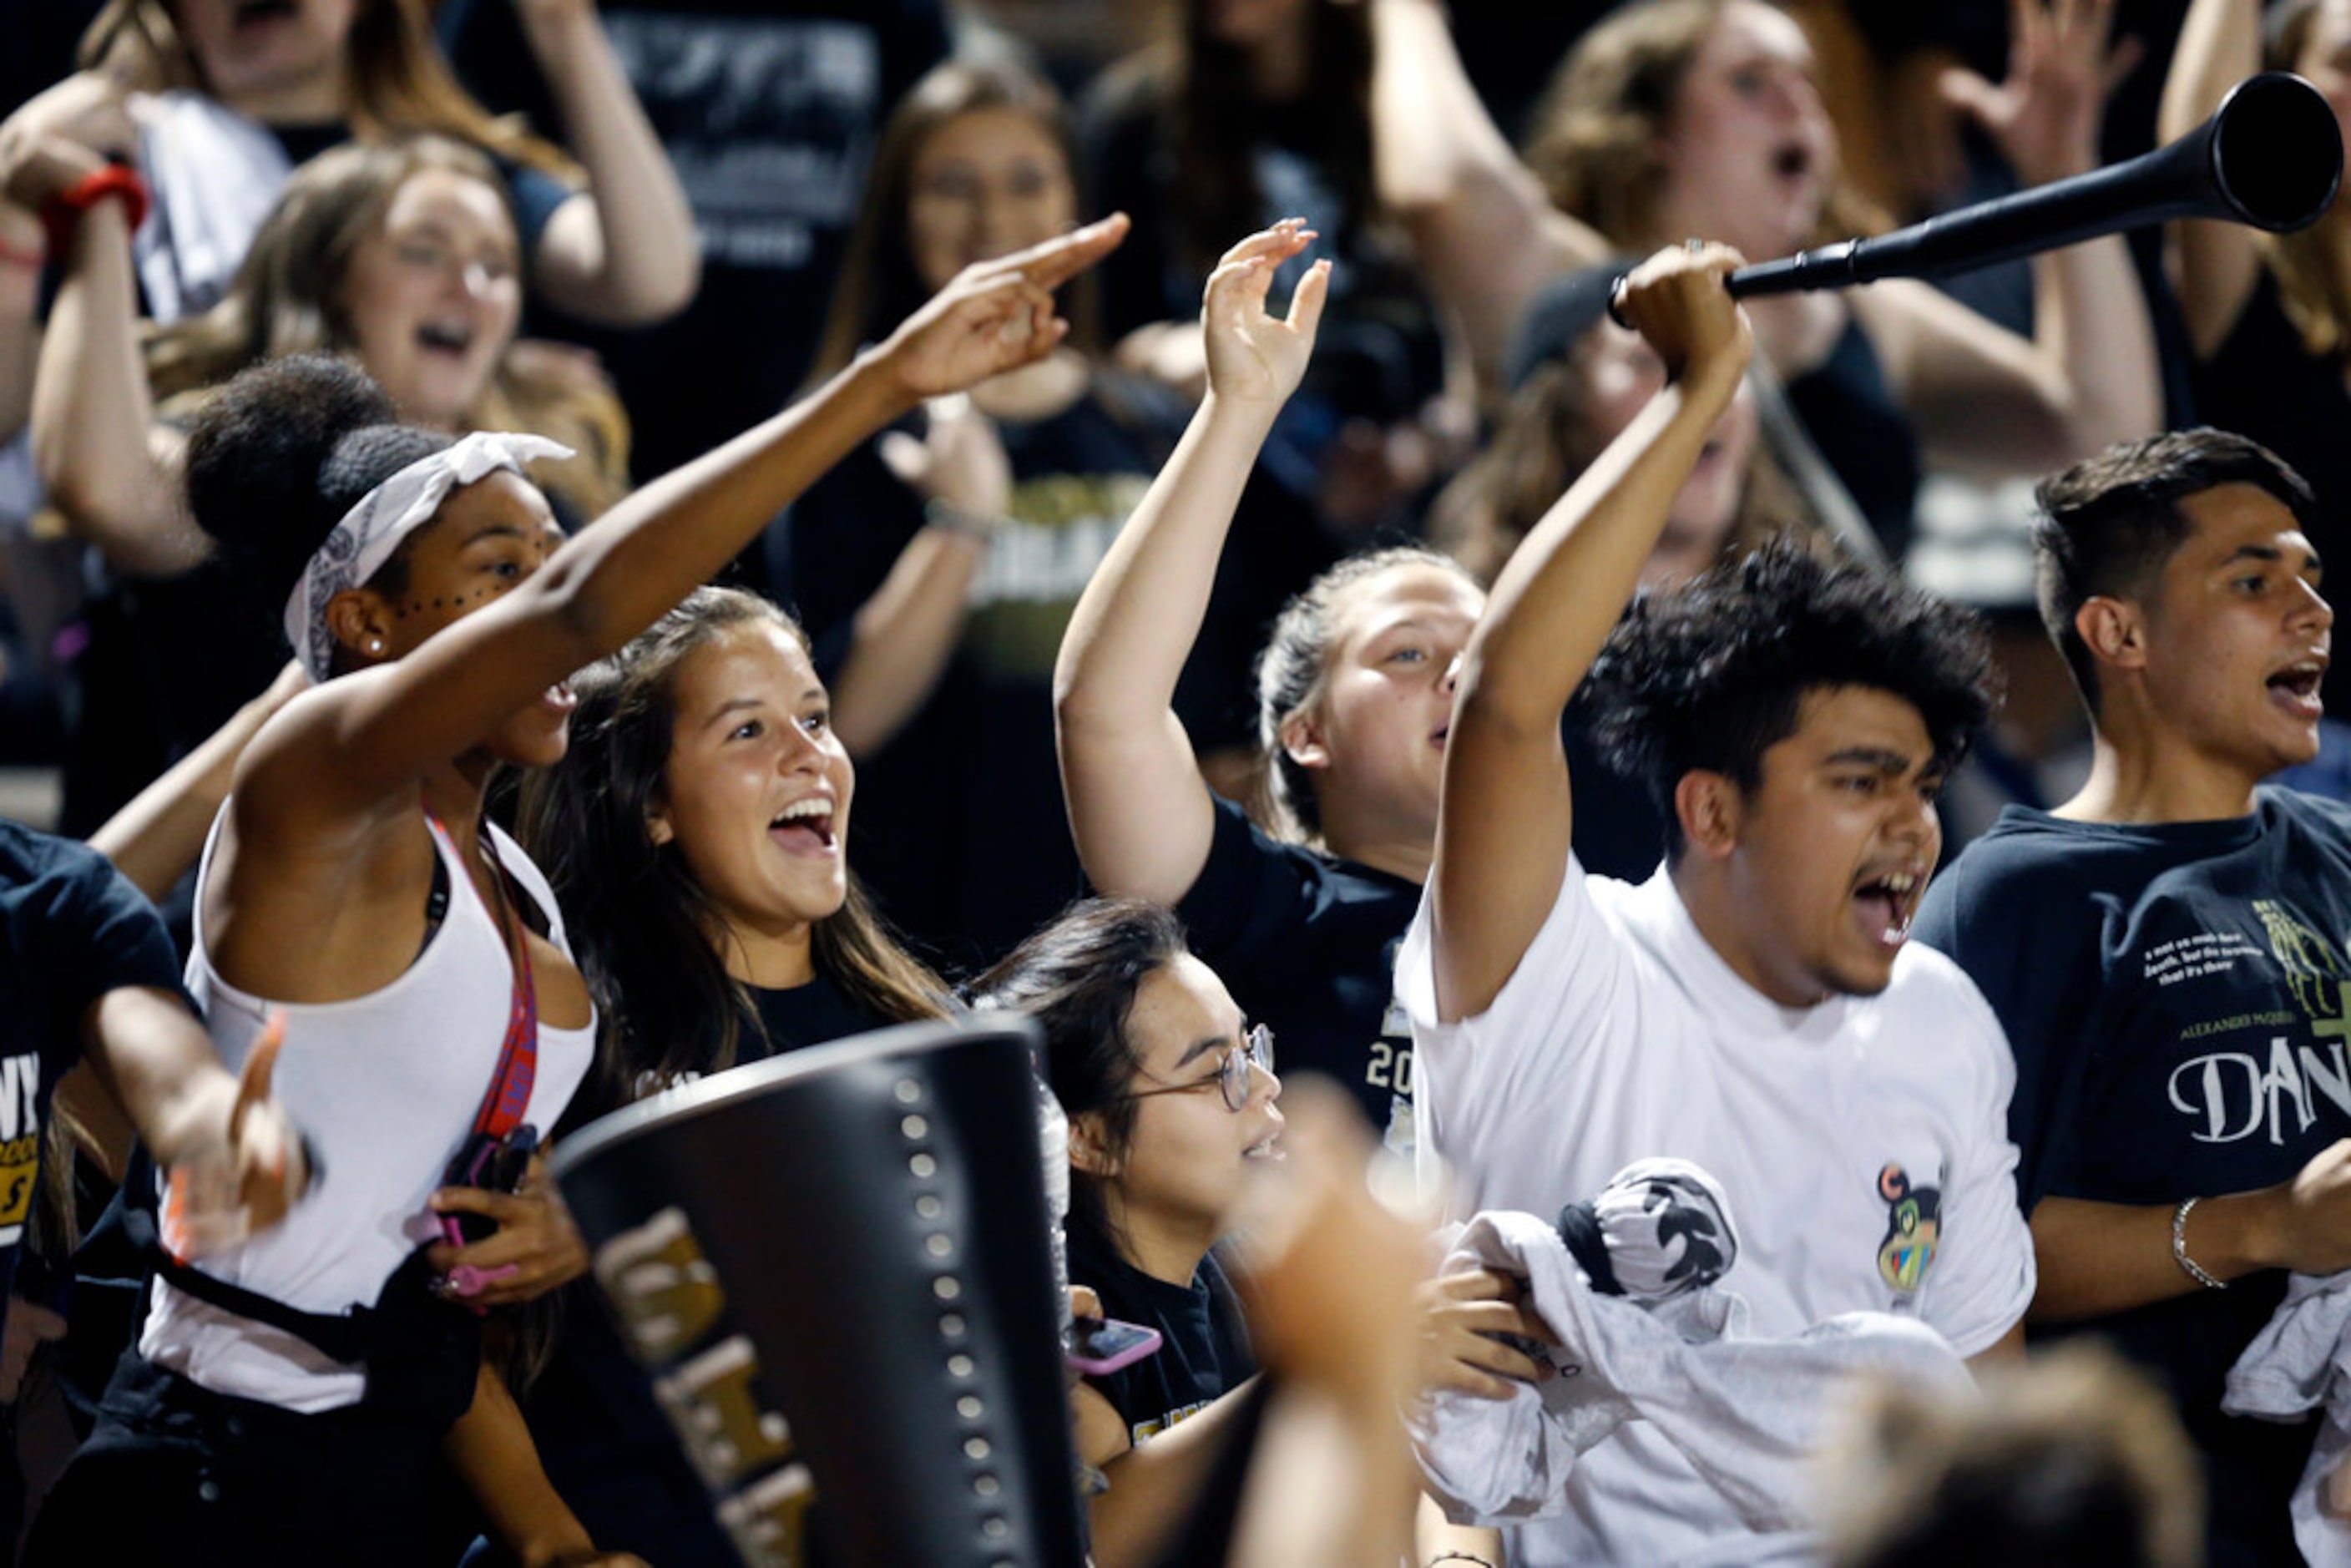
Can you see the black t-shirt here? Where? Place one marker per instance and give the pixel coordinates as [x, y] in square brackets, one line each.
[2174, 995]
[1203, 1349]
[75, 929]
[814, 1014]
[1852, 416]
[608, 1449]
[768, 110]
[958, 829]
[1307, 943]
[1618, 831]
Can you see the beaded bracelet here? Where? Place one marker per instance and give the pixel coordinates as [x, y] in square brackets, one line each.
[2194, 1269]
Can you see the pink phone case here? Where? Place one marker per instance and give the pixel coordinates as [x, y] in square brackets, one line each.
[1106, 1344]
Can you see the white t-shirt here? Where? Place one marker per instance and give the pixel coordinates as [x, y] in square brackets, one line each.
[1863, 1143]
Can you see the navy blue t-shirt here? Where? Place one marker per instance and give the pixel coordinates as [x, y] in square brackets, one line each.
[2174, 995]
[1306, 942]
[75, 929]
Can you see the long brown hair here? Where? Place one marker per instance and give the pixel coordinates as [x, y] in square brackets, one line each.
[1542, 442]
[2313, 268]
[395, 72]
[1594, 142]
[288, 297]
[645, 932]
[1218, 124]
[879, 286]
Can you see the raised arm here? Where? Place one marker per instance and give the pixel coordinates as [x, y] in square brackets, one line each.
[903, 636]
[156, 838]
[1139, 809]
[1483, 229]
[21, 255]
[109, 468]
[2214, 265]
[50, 142]
[1982, 396]
[1503, 824]
[623, 251]
[357, 743]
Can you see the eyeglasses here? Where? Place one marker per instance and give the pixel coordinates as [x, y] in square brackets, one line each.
[1233, 1077]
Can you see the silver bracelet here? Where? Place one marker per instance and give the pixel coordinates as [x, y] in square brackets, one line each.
[2193, 1270]
[939, 514]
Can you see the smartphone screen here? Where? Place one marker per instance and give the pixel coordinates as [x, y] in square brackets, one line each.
[1106, 1344]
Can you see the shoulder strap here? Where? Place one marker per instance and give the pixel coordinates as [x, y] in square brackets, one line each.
[508, 1098]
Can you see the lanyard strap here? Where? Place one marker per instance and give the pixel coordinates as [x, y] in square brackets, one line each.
[508, 1099]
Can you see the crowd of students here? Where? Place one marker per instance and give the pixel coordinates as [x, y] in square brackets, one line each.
[1282, 575]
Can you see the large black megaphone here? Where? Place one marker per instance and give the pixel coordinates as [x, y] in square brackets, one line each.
[2271, 156]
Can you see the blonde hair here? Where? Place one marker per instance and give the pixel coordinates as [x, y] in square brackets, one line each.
[397, 79]
[1293, 673]
[288, 298]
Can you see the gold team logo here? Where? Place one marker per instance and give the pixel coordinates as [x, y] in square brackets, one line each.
[1914, 1224]
[2313, 972]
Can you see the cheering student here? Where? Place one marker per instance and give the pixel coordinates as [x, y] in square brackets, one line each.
[1755, 1005]
[354, 879]
[2166, 948]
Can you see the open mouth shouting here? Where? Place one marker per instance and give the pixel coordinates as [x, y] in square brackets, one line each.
[453, 338]
[257, 13]
[2294, 686]
[805, 827]
[1886, 900]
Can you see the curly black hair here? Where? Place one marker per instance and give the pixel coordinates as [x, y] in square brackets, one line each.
[284, 450]
[1713, 675]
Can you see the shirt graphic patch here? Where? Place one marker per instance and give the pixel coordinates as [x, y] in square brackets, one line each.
[1914, 1225]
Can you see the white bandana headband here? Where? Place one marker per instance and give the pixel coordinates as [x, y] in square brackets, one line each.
[369, 533]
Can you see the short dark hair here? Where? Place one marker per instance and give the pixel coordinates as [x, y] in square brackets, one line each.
[2109, 524]
[1713, 675]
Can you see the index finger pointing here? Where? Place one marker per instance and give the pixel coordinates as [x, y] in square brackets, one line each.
[1058, 260]
[253, 1083]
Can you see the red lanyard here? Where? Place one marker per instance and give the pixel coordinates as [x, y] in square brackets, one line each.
[503, 1106]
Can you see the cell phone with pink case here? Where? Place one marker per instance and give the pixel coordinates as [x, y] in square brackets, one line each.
[1099, 1345]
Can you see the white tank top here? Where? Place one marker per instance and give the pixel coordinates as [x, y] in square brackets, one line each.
[386, 1086]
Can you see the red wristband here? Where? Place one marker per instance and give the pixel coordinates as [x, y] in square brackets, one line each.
[65, 209]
